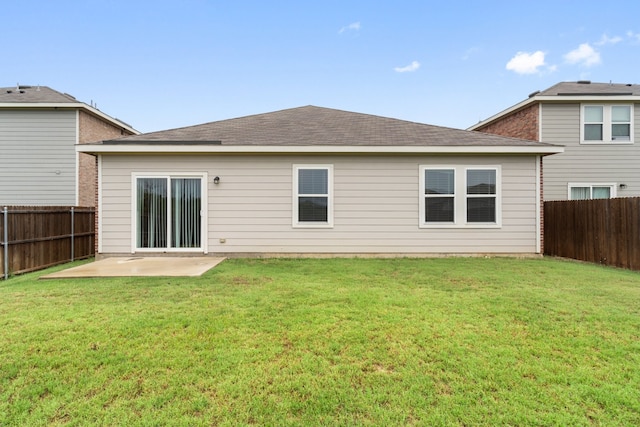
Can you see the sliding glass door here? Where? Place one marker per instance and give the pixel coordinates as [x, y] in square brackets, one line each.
[168, 213]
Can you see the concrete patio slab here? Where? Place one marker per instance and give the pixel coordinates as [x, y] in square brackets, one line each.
[140, 266]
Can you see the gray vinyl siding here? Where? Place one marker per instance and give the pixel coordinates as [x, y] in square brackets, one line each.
[582, 163]
[376, 205]
[37, 157]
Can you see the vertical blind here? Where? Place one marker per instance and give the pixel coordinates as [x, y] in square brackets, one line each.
[586, 193]
[152, 213]
[155, 218]
[185, 209]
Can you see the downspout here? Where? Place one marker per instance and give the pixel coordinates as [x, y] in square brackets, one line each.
[73, 242]
[5, 242]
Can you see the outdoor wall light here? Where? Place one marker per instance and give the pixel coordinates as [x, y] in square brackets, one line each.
[623, 186]
[216, 180]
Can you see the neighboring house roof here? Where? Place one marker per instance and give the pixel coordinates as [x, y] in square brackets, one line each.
[34, 94]
[45, 97]
[586, 88]
[317, 129]
[571, 92]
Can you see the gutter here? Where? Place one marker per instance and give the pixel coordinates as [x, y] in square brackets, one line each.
[216, 148]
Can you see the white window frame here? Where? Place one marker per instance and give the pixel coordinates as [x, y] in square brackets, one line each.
[606, 124]
[424, 196]
[460, 197]
[203, 212]
[498, 205]
[295, 195]
[590, 185]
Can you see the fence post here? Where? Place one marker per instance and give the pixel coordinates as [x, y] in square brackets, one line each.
[72, 234]
[5, 242]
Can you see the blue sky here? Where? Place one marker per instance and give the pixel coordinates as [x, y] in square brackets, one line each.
[165, 64]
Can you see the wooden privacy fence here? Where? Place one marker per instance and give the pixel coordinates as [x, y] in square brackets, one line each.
[32, 238]
[605, 231]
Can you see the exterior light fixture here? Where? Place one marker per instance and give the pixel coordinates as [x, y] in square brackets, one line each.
[216, 180]
[623, 186]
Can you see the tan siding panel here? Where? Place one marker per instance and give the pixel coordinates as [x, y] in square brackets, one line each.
[38, 161]
[376, 205]
[581, 163]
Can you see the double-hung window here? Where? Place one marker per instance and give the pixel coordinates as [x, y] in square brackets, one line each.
[481, 195]
[459, 196]
[313, 193]
[168, 212]
[607, 124]
[439, 196]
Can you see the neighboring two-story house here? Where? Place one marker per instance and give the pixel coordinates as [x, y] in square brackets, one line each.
[39, 129]
[599, 126]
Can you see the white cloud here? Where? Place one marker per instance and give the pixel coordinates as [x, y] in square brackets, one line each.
[409, 68]
[526, 63]
[634, 36]
[355, 26]
[471, 52]
[583, 55]
[605, 39]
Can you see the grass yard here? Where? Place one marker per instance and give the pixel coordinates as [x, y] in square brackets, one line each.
[454, 341]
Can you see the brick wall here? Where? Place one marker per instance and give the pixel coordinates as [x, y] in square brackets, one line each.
[92, 129]
[541, 206]
[520, 124]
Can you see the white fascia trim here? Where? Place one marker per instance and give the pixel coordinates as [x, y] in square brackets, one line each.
[316, 149]
[503, 113]
[77, 105]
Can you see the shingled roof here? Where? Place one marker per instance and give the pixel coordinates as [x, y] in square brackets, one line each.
[23, 96]
[34, 94]
[317, 126]
[586, 88]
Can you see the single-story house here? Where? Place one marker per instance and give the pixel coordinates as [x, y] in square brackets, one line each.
[314, 181]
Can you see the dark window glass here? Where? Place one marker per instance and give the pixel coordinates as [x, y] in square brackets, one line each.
[593, 132]
[438, 209]
[481, 209]
[621, 132]
[313, 209]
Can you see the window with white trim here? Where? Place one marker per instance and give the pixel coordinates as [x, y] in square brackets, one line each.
[481, 195]
[168, 212]
[439, 196]
[607, 124]
[313, 193]
[591, 191]
[460, 196]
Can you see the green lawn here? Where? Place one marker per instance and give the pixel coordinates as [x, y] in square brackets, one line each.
[453, 341]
